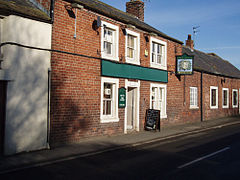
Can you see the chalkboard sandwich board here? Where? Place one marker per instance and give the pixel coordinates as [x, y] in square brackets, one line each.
[152, 121]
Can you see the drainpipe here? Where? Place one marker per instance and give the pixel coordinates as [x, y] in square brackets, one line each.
[48, 108]
[201, 97]
[52, 10]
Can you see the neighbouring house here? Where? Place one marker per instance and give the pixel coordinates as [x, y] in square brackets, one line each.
[213, 91]
[101, 50]
[25, 25]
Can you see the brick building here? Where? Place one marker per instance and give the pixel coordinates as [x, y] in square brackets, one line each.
[104, 49]
[97, 52]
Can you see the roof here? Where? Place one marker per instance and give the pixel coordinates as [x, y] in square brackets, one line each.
[109, 11]
[22, 8]
[211, 63]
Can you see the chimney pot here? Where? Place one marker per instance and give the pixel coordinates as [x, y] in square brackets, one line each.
[189, 42]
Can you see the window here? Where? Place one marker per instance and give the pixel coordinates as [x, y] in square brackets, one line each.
[109, 41]
[225, 98]
[159, 98]
[158, 55]
[193, 97]
[213, 97]
[132, 47]
[109, 100]
[234, 98]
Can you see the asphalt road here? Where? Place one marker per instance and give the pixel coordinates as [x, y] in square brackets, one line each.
[213, 154]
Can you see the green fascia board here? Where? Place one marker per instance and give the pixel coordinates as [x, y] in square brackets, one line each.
[128, 71]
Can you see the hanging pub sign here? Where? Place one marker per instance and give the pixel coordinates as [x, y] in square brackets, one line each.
[184, 65]
[122, 97]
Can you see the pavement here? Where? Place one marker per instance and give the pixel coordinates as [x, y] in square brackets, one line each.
[97, 145]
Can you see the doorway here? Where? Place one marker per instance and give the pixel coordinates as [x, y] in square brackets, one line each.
[3, 93]
[132, 107]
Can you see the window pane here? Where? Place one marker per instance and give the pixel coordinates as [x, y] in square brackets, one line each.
[107, 47]
[234, 98]
[159, 59]
[107, 101]
[153, 47]
[153, 57]
[214, 103]
[225, 98]
[130, 52]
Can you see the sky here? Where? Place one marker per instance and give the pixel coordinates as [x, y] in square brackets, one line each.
[218, 22]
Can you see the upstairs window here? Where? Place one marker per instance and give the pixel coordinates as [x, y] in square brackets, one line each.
[109, 41]
[132, 47]
[234, 98]
[158, 54]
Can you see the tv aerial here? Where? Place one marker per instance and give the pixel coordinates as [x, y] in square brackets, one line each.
[195, 31]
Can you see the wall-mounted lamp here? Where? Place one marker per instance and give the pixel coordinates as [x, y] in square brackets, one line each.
[146, 36]
[223, 80]
[76, 5]
[69, 9]
[97, 23]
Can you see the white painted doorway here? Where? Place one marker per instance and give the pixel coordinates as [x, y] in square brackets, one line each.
[132, 106]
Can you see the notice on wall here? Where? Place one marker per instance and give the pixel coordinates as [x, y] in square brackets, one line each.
[152, 119]
[122, 97]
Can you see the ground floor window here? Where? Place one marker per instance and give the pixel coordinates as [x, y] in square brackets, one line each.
[193, 97]
[109, 100]
[213, 97]
[234, 98]
[159, 98]
[225, 98]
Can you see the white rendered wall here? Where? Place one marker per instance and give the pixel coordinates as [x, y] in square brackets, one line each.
[27, 91]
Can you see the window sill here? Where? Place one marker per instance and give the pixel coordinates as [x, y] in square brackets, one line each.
[235, 107]
[158, 66]
[194, 107]
[110, 57]
[132, 61]
[213, 107]
[109, 120]
[163, 116]
[225, 107]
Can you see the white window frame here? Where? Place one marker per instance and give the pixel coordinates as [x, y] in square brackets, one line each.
[225, 89]
[114, 116]
[136, 58]
[163, 114]
[216, 88]
[163, 65]
[194, 98]
[115, 48]
[234, 106]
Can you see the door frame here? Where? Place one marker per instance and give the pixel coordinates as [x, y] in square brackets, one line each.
[132, 84]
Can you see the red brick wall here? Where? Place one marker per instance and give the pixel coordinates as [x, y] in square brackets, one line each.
[76, 81]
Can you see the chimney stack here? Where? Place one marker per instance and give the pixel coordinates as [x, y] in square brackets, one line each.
[136, 8]
[189, 42]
